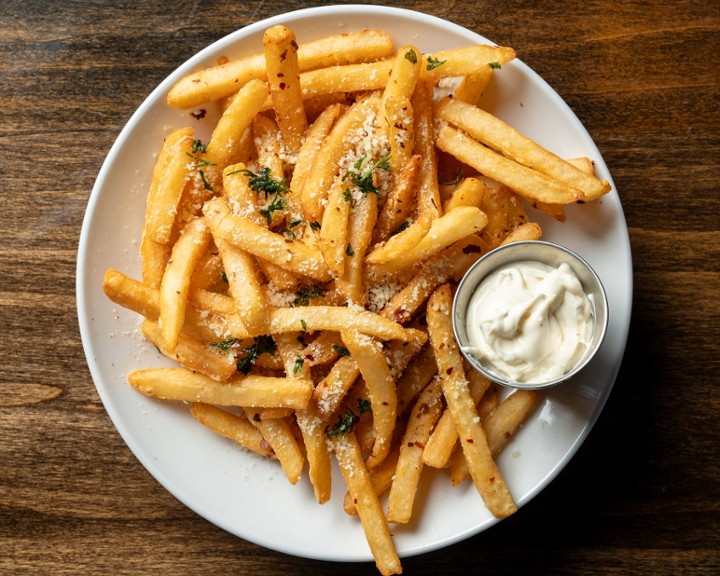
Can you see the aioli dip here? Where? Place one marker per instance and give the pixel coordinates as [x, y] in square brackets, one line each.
[530, 322]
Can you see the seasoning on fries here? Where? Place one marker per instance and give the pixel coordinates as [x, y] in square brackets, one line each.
[299, 266]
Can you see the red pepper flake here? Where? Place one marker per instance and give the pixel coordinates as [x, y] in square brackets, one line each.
[281, 85]
[469, 440]
[449, 371]
[256, 417]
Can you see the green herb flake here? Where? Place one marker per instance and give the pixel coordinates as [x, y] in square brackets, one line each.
[364, 405]
[205, 182]
[315, 225]
[307, 293]
[198, 146]
[341, 350]
[298, 365]
[495, 65]
[303, 324]
[433, 63]
[344, 425]
[226, 345]
[364, 180]
[263, 345]
[349, 250]
[411, 56]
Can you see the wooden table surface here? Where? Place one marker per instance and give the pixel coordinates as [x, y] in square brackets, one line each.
[642, 495]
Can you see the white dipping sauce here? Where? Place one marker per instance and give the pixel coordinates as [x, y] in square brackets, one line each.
[530, 322]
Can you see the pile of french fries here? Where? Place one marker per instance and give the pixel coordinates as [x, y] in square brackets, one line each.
[300, 265]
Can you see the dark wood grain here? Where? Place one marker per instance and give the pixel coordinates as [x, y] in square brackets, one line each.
[642, 496]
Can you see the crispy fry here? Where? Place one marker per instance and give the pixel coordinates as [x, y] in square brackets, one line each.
[368, 506]
[485, 473]
[175, 283]
[423, 417]
[381, 386]
[236, 428]
[283, 74]
[223, 80]
[187, 386]
[498, 135]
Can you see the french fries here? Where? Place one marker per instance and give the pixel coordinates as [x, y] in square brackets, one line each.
[299, 266]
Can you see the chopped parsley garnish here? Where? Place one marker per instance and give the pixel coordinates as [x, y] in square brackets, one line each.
[200, 161]
[206, 184]
[411, 56]
[315, 225]
[344, 424]
[226, 345]
[303, 324]
[198, 146]
[347, 197]
[364, 180]
[263, 183]
[341, 350]
[349, 250]
[347, 421]
[433, 63]
[364, 405]
[298, 365]
[307, 293]
[495, 65]
[288, 230]
[262, 345]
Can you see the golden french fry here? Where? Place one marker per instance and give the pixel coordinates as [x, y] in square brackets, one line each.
[398, 205]
[308, 419]
[278, 434]
[245, 287]
[498, 135]
[338, 319]
[440, 445]
[327, 162]
[334, 229]
[381, 477]
[331, 390]
[350, 283]
[530, 183]
[423, 417]
[527, 231]
[400, 243]
[255, 239]
[486, 476]
[269, 146]
[234, 427]
[316, 134]
[470, 192]
[166, 186]
[428, 195]
[153, 257]
[175, 284]
[458, 62]
[357, 479]
[223, 80]
[444, 231]
[381, 386]
[241, 198]
[226, 142]
[283, 74]
[396, 107]
[503, 423]
[250, 390]
[472, 86]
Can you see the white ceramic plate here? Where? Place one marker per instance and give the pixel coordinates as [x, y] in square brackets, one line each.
[250, 497]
